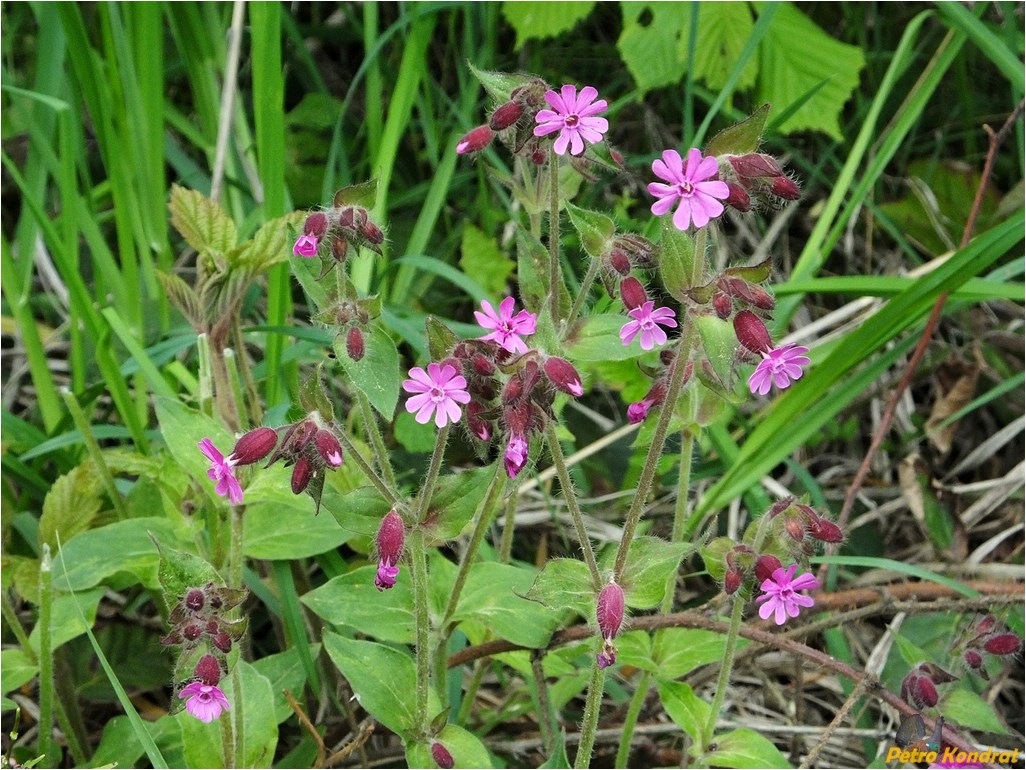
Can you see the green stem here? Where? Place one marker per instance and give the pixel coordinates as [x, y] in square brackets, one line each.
[582, 294]
[228, 739]
[95, 454]
[256, 413]
[680, 509]
[206, 375]
[237, 716]
[69, 716]
[571, 502]
[509, 523]
[231, 366]
[623, 751]
[368, 470]
[434, 467]
[589, 724]
[480, 668]
[546, 722]
[555, 274]
[418, 557]
[724, 680]
[235, 565]
[47, 745]
[377, 441]
[15, 625]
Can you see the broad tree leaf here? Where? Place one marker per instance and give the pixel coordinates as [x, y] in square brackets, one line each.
[481, 257]
[723, 31]
[651, 51]
[352, 600]
[70, 506]
[540, 20]
[745, 748]
[201, 221]
[377, 373]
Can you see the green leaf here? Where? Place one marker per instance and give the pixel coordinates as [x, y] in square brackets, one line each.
[466, 749]
[268, 247]
[677, 263]
[500, 85]
[183, 297]
[65, 622]
[313, 397]
[383, 679]
[565, 584]
[723, 31]
[678, 651]
[481, 257]
[178, 571]
[377, 373]
[558, 759]
[651, 51]
[284, 670]
[787, 72]
[745, 748]
[454, 501]
[597, 339]
[201, 221]
[685, 708]
[720, 344]
[124, 546]
[650, 563]
[441, 341]
[352, 600]
[596, 229]
[741, 139]
[182, 428]
[967, 709]
[18, 669]
[359, 511]
[532, 270]
[364, 194]
[70, 506]
[412, 435]
[540, 20]
[120, 746]
[494, 597]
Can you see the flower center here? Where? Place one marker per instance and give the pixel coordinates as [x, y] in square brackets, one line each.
[571, 121]
[437, 394]
[647, 323]
[685, 189]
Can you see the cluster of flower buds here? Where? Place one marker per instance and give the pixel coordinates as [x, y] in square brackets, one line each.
[513, 121]
[609, 610]
[309, 446]
[638, 411]
[340, 227]
[198, 618]
[802, 526]
[919, 688]
[755, 175]
[390, 540]
[986, 637]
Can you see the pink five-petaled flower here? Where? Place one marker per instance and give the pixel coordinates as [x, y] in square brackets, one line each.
[647, 320]
[306, 246]
[439, 391]
[506, 327]
[778, 366]
[689, 184]
[573, 115]
[222, 470]
[780, 594]
[205, 701]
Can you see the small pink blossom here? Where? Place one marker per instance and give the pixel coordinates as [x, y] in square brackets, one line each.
[516, 455]
[687, 184]
[205, 702]
[222, 471]
[778, 367]
[506, 327]
[306, 246]
[780, 597]
[438, 392]
[647, 320]
[573, 115]
[390, 540]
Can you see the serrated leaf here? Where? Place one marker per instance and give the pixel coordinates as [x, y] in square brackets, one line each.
[440, 338]
[788, 72]
[70, 506]
[651, 562]
[745, 748]
[201, 221]
[677, 262]
[268, 247]
[377, 373]
[183, 297]
[685, 708]
[364, 194]
[723, 32]
[596, 229]
[540, 20]
[565, 584]
[481, 257]
[741, 139]
[650, 50]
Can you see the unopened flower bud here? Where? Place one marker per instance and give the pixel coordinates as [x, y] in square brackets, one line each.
[389, 540]
[316, 225]
[751, 332]
[339, 248]
[564, 376]
[255, 446]
[513, 391]
[442, 756]
[505, 116]
[609, 611]
[973, 660]
[619, 262]
[722, 305]
[786, 188]
[538, 157]
[985, 624]
[779, 507]
[478, 426]
[192, 632]
[301, 475]
[824, 530]
[761, 298]
[475, 141]
[632, 293]
[754, 165]
[766, 566]
[482, 365]
[352, 218]
[737, 198]
[328, 447]
[354, 343]
[173, 639]
[372, 233]
[919, 691]
[616, 157]
[208, 670]
[732, 580]
[195, 599]
[1003, 644]
[223, 642]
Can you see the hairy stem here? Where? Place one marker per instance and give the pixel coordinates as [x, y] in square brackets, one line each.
[680, 510]
[377, 441]
[591, 715]
[418, 557]
[546, 721]
[725, 670]
[555, 274]
[47, 745]
[582, 294]
[571, 502]
[509, 524]
[368, 470]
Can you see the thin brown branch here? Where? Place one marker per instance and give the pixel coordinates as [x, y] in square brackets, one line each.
[305, 721]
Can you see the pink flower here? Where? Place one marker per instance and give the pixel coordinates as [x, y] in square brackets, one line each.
[573, 116]
[306, 246]
[506, 327]
[778, 366]
[780, 597]
[205, 701]
[390, 540]
[438, 392]
[647, 321]
[516, 455]
[222, 471]
[698, 197]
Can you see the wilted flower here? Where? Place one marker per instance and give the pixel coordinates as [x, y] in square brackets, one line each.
[506, 327]
[647, 320]
[438, 392]
[205, 701]
[778, 367]
[780, 597]
[573, 115]
[687, 184]
[222, 471]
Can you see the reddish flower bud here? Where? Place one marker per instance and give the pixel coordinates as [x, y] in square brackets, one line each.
[619, 262]
[737, 198]
[779, 507]
[172, 640]
[754, 165]
[786, 188]
[316, 225]
[475, 141]
[354, 343]
[766, 566]
[195, 599]
[722, 305]
[761, 298]
[751, 332]
[824, 530]
[391, 537]
[505, 116]
[1003, 644]
[936, 673]
[986, 624]
[339, 248]
[563, 376]
[208, 670]
[513, 391]
[632, 293]
[482, 365]
[538, 157]
[478, 426]
[609, 611]
[795, 526]
[301, 475]
[223, 642]
[974, 662]
[372, 233]
[442, 756]
[254, 446]
[213, 627]
[732, 580]
[192, 632]
[919, 691]
[328, 447]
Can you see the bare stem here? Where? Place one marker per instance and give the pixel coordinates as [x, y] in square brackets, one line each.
[555, 274]
[589, 724]
[571, 502]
